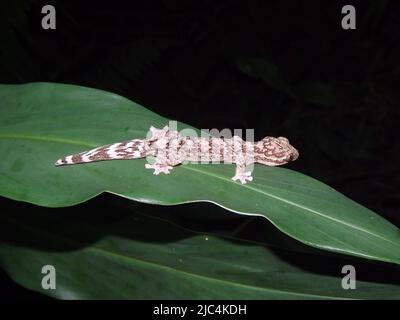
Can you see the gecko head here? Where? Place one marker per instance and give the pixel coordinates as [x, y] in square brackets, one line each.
[272, 151]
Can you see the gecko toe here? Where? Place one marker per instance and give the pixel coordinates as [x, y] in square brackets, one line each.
[158, 168]
[243, 177]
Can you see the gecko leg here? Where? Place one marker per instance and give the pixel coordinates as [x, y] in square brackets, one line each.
[159, 167]
[242, 175]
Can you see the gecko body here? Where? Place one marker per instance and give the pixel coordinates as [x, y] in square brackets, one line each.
[170, 149]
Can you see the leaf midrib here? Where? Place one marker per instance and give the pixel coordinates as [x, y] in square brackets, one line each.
[45, 138]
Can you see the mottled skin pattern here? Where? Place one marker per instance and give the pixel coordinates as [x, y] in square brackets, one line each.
[170, 149]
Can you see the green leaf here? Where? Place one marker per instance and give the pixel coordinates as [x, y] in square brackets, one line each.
[139, 257]
[41, 122]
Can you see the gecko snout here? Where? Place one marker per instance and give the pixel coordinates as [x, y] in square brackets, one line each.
[294, 154]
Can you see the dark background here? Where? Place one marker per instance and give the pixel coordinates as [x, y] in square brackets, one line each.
[279, 67]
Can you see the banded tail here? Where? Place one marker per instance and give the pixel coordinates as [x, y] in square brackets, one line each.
[131, 149]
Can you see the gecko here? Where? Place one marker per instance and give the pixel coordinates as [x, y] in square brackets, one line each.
[170, 149]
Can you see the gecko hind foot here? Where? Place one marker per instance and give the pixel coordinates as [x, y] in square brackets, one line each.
[243, 177]
[158, 168]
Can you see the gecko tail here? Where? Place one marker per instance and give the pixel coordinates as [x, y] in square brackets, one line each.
[131, 149]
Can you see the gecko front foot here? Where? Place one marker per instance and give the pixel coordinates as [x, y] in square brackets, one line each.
[159, 167]
[243, 177]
